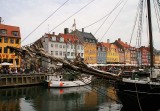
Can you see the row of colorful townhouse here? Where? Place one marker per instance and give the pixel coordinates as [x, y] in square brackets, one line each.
[69, 44]
[84, 44]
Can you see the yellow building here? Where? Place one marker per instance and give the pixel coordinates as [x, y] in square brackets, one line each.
[112, 56]
[90, 53]
[157, 59]
[90, 46]
[9, 36]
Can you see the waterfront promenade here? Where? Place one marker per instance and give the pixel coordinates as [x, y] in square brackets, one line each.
[13, 80]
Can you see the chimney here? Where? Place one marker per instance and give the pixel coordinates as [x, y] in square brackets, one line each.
[0, 20]
[82, 30]
[119, 39]
[126, 42]
[66, 30]
[53, 33]
[108, 41]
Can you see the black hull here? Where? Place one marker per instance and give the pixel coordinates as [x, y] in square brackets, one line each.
[138, 97]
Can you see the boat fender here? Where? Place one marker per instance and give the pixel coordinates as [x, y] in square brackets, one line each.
[49, 83]
[61, 84]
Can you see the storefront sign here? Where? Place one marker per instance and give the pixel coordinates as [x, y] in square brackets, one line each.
[7, 56]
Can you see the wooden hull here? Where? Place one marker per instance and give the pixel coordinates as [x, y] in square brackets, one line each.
[139, 95]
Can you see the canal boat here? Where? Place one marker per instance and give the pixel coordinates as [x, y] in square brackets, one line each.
[58, 81]
[141, 91]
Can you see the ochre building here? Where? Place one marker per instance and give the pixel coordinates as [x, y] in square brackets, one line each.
[9, 36]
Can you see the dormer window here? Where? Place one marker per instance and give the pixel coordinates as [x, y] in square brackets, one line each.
[53, 38]
[15, 33]
[61, 39]
[3, 31]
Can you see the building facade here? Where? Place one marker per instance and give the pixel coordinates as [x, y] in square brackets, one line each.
[9, 36]
[90, 46]
[101, 53]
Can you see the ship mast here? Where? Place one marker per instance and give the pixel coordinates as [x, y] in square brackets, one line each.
[150, 34]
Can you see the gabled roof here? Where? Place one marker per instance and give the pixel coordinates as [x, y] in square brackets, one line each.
[84, 35]
[69, 37]
[107, 45]
[9, 29]
[124, 45]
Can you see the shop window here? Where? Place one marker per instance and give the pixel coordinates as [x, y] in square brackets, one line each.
[17, 61]
[10, 61]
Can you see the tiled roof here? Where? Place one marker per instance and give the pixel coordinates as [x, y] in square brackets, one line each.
[123, 44]
[106, 44]
[9, 29]
[69, 37]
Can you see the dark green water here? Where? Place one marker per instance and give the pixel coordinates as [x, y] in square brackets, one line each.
[40, 98]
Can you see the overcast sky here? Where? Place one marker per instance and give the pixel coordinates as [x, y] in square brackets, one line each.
[29, 14]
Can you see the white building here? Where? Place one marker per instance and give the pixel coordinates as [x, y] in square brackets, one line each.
[61, 46]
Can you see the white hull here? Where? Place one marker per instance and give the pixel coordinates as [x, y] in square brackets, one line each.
[58, 83]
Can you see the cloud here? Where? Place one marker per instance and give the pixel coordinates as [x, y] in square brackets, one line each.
[28, 14]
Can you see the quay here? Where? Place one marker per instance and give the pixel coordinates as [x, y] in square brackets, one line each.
[13, 80]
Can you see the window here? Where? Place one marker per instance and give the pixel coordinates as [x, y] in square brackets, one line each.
[72, 53]
[64, 53]
[10, 60]
[68, 53]
[64, 46]
[5, 50]
[0, 49]
[71, 46]
[81, 54]
[11, 40]
[0, 39]
[51, 45]
[11, 51]
[17, 41]
[56, 45]
[78, 47]
[56, 52]
[5, 39]
[51, 52]
[60, 46]
[81, 47]
[67, 46]
[17, 61]
[3, 31]
[5, 60]
[60, 53]
[15, 33]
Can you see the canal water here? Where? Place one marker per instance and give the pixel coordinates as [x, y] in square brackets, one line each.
[94, 97]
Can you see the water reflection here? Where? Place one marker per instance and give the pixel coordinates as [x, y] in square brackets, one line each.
[39, 98]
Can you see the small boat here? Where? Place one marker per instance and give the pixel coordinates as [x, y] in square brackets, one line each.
[57, 81]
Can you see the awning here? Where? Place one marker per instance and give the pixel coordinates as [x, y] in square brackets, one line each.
[5, 64]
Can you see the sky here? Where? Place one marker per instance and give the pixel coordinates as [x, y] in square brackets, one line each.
[37, 17]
